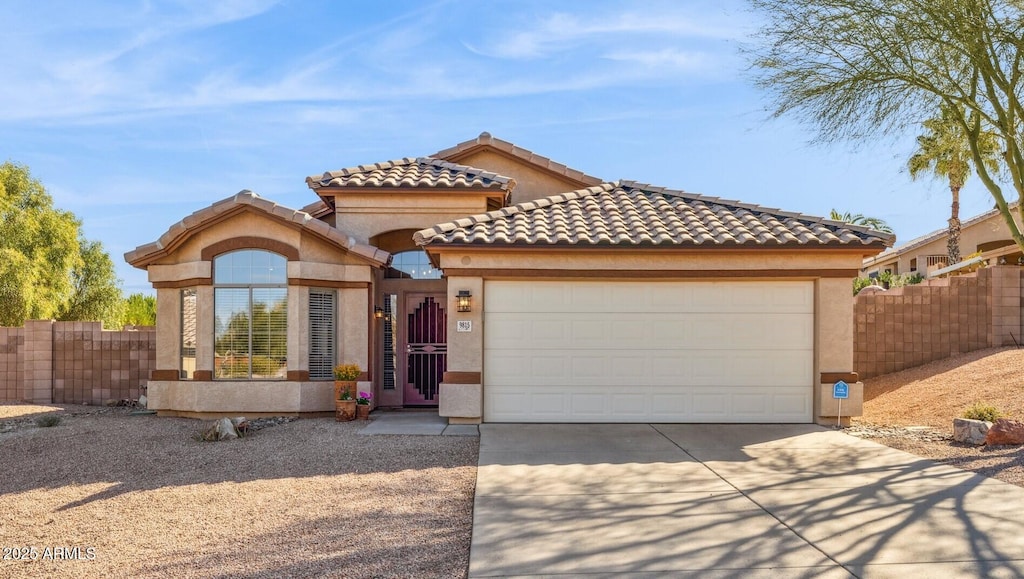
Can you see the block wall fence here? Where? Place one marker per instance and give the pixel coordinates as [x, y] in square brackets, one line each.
[916, 324]
[74, 362]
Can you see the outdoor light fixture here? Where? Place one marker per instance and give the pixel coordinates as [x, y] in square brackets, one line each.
[378, 312]
[464, 301]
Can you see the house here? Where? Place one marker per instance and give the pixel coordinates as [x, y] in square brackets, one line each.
[983, 239]
[498, 285]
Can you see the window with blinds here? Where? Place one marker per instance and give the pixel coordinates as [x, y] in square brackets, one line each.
[188, 333]
[250, 304]
[390, 345]
[322, 333]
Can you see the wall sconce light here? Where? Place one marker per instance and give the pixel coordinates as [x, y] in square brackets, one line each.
[464, 301]
[378, 312]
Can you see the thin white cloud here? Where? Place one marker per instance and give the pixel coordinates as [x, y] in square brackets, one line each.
[665, 58]
[144, 73]
[561, 31]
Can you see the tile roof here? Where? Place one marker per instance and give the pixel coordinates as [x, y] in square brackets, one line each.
[486, 140]
[409, 172]
[146, 254]
[933, 236]
[627, 213]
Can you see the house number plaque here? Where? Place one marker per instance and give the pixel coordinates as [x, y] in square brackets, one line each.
[464, 326]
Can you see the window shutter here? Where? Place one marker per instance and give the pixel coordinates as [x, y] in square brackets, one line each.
[322, 334]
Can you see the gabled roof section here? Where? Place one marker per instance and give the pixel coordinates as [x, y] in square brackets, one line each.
[246, 200]
[413, 173]
[627, 213]
[486, 141]
[933, 236]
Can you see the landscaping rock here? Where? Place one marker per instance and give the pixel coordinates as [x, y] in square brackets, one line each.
[223, 429]
[241, 425]
[970, 431]
[1005, 431]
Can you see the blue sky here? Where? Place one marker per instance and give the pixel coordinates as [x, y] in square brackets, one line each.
[135, 114]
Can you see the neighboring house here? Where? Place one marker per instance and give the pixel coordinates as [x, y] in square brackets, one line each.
[984, 238]
[501, 286]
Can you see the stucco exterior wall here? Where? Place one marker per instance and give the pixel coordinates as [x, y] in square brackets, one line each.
[312, 261]
[466, 349]
[531, 182]
[168, 329]
[366, 214]
[354, 327]
[298, 329]
[240, 397]
[811, 262]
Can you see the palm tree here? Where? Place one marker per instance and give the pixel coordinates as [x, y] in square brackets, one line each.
[945, 152]
[858, 219]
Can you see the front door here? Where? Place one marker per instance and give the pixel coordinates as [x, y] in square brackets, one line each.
[426, 347]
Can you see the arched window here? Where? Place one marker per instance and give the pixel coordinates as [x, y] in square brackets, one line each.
[414, 264]
[251, 315]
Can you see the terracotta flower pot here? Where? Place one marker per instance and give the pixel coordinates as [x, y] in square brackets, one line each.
[341, 385]
[344, 410]
[363, 411]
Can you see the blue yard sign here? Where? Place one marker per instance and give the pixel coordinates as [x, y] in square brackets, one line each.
[841, 390]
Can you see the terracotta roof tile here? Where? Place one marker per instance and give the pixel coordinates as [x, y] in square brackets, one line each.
[409, 173]
[627, 213]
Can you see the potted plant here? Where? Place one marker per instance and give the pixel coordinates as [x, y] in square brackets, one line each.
[363, 405]
[345, 376]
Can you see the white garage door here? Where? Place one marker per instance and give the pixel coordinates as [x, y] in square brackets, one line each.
[648, 351]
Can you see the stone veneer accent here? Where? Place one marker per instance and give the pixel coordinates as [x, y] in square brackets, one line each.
[917, 324]
[74, 362]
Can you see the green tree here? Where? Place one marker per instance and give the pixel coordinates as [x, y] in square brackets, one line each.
[39, 248]
[858, 219]
[139, 310]
[859, 68]
[945, 152]
[96, 294]
[47, 270]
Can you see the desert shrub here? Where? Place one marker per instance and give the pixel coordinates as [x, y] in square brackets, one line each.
[894, 281]
[48, 420]
[861, 283]
[982, 411]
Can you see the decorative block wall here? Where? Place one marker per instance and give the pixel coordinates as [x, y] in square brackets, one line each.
[12, 363]
[74, 362]
[913, 325]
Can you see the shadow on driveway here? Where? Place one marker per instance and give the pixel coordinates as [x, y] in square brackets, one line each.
[732, 500]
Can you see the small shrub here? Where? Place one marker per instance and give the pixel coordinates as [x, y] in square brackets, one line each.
[347, 372]
[982, 411]
[861, 283]
[48, 420]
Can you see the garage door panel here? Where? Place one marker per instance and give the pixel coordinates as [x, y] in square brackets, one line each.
[648, 331]
[691, 297]
[645, 403]
[648, 351]
[725, 368]
[669, 404]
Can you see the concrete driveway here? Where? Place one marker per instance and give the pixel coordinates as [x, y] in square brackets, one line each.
[731, 501]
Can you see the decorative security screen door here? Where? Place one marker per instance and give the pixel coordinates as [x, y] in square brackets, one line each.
[426, 348]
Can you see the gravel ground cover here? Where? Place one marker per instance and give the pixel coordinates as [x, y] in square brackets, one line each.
[913, 410]
[139, 496]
